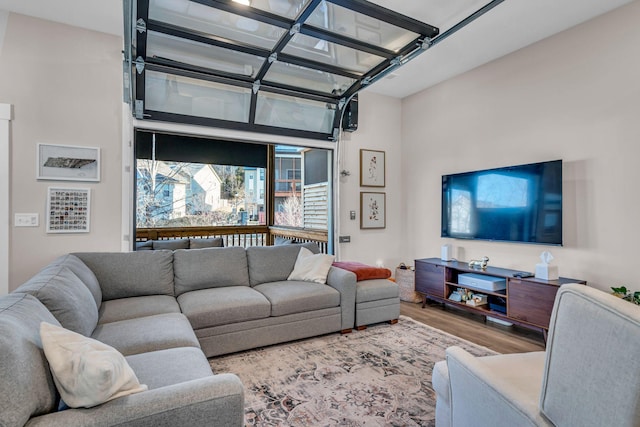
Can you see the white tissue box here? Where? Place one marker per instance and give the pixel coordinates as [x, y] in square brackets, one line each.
[547, 272]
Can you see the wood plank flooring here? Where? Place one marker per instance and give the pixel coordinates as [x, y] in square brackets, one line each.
[472, 327]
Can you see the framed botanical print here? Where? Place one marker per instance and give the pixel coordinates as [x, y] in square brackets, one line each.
[372, 210]
[372, 168]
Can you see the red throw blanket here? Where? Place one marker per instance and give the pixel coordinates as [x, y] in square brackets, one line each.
[363, 271]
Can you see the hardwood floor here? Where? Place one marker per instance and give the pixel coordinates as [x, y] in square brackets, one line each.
[472, 327]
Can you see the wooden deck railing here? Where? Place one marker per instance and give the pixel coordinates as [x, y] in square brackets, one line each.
[243, 236]
[302, 235]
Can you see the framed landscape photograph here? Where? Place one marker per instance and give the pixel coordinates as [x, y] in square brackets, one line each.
[68, 210]
[372, 168]
[372, 210]
[68, 163]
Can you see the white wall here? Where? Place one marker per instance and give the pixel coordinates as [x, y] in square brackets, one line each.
[574, 96]
[379, 128]
[65, 85]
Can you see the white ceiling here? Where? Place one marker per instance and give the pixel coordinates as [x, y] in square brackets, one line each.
[510, 26]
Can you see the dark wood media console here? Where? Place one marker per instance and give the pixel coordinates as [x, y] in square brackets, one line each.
[525, 301]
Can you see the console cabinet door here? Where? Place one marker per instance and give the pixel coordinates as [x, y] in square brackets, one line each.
[531, 302]
[430, 279]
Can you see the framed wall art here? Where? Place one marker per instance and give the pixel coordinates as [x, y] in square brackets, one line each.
[68, 163]
[372, 168]
[68, 210]
[372, 210]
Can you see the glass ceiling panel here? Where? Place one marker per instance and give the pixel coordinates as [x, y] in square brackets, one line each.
[293, 75]
[326, 52]
[287, 8]
[195, 16]
[340, 20]
[272, 65]
[171, 93]
[202, 55]
[294, 113]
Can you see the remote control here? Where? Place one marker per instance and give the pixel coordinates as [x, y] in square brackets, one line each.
[522, 274]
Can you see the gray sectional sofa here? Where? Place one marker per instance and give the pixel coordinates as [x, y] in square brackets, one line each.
[166, 311]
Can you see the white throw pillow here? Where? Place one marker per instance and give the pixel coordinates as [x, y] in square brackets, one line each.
[86, 372]
[311, 267]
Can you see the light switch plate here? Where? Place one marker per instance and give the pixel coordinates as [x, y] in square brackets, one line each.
[352, 215]
[26, 220]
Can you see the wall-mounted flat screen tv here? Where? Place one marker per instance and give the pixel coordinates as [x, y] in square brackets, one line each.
[513, 204]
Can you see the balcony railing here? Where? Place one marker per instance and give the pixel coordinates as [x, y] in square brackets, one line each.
[242, 236]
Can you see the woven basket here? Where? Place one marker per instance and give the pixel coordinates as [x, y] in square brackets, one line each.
[406, 281]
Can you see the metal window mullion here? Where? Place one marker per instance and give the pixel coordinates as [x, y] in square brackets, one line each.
[226, 124]
[248, 12]
[253, 106]
[202, 37]
[300, 92]
[315, 65]
[198, 75]
[170, 63]
[346, 41]
[294, 92]
[142, 12]
[388, 15]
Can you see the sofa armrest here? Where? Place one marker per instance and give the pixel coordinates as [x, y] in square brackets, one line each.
[344, 282]
[482, 395]
[211, 401]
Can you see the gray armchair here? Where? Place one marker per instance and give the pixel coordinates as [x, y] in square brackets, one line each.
[589, 374]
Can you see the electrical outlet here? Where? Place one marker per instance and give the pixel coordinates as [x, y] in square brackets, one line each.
[344, 239]
[26, 220]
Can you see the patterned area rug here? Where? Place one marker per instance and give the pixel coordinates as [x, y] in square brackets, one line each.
[377, 377]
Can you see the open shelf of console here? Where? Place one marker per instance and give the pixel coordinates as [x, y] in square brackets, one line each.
[525, 301]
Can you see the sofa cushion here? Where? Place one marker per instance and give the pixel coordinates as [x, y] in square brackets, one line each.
[288, 297]
[86, 372]
[209, 268]
[151, 333]
[163, 368]
[274, 263]
[221, 306]
[85, 274]
[212, 242]
[130, 308]
[311, 267]
[26, 384]
[131, 274]
[66, 297]
[375, 290]
[171, 244]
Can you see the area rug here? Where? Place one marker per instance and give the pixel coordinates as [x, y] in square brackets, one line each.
[377, 377]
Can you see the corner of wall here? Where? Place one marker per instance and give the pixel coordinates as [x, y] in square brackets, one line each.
[6, 114]
[4, 20]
